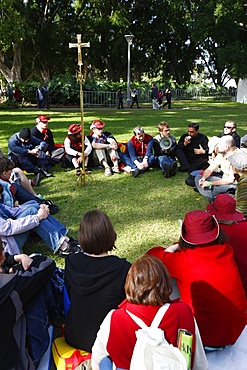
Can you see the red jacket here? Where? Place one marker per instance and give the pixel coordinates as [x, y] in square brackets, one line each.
[209, 283]
[122, 336]
[237, 234]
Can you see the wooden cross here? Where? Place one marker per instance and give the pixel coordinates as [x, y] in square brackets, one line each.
[80, 45]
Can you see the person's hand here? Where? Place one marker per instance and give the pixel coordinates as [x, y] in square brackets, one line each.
[172, 248]
[34, 151]
[139, 165]
[113, 145]
[187, 140]
[145, 163]
[43, 212]
[201, 181]
[206, 184]
[200, 150]
[24, 259]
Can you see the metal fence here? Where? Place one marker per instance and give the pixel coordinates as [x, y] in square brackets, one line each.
[109, 99]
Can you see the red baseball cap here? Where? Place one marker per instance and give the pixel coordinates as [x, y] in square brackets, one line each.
[43, 118]
[224, 208]
[97, 124]
[74, 129]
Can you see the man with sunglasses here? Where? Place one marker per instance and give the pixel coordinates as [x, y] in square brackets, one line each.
[230, 129]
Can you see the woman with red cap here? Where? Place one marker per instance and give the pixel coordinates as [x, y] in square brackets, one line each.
[208, 279]
[234, 225]
[73, 148]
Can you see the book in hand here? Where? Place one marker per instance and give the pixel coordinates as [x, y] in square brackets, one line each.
[185, 339]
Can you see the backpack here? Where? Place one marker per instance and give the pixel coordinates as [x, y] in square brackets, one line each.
[152, 351]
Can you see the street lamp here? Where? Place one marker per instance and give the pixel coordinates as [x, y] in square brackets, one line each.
[129, 39]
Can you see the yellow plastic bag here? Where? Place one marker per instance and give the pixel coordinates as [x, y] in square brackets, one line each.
[67, 357]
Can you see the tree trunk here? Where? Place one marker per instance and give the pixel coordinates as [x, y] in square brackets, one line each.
[12, 73]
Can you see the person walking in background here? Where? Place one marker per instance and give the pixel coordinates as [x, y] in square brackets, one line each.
[46, 97]
[155, 96]
[120, 98]
[39, 97]
[134, 96]
[168, 96]
[17, 95]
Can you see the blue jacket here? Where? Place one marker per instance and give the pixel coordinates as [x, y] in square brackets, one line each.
[19, 148]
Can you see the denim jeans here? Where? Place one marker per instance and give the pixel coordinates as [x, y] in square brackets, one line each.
[211, 193]
[50, 230]
[165, 159]
[106, 364]
[22, 195]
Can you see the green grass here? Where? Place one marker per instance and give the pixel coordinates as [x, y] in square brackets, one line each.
[144, 210]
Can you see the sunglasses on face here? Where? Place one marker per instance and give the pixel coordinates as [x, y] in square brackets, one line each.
[229, 127]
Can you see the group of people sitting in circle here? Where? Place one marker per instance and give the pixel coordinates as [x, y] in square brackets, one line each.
[208, 263]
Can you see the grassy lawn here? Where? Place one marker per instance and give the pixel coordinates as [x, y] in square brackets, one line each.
[144, 210]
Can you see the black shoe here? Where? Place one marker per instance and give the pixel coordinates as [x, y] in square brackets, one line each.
[45, 173]
[173, 168]
[166, 170]
[69, 250]
[52, 207]
[37, 179]
[135, 173]
[195, 189]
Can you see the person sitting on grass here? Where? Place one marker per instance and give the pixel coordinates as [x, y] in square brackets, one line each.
[94, 280]
[166, 157]
[208, 278]
[73, 149]
[192, 150]
[234, 224]
[28, 152]
[16, 224]
[139, 156]
[41, 131]
[26, 302]
[14, 193]
[105, 147]
[221, 182]
[148, 288]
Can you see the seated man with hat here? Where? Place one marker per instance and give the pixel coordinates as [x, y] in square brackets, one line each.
[105, 147]
[28, 152]
[55, 152]
[73, 149]
[234, 225]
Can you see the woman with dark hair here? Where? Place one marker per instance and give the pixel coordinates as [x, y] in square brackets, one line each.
[208, 279]
[147, 288]
[94, 280]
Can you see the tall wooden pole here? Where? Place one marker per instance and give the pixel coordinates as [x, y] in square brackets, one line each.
[80, 45]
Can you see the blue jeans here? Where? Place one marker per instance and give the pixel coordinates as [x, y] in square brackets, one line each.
[22, 195]
[211, 193]
[125, 158]
[165, 159]
[106, 364]
[50, 230]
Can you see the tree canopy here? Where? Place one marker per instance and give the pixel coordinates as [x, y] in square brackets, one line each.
[171, 38]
